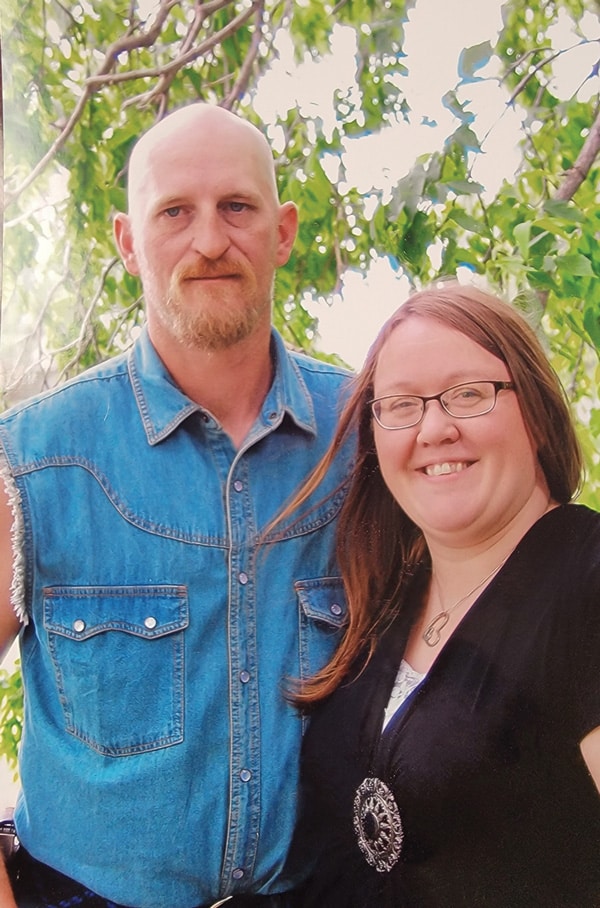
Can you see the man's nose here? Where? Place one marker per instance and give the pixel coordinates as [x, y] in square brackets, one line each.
[210, 237]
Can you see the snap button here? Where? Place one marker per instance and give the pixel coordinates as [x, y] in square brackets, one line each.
[335, 608]
[244, 676]
[238, 485]
[238, 873]
[245, 775]
[243, 578]
[79, 625]
[150, 622]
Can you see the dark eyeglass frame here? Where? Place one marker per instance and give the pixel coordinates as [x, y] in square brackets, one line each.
[497, 385]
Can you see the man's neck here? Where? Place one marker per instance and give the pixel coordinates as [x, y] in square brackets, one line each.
[231, 384]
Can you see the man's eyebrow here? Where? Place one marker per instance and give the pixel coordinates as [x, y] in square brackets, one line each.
[243, 195]
[168, 201]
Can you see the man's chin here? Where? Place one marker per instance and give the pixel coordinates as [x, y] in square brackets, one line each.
[212, 322]
[214, 336]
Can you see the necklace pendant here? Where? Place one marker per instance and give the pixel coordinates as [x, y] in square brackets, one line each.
[433, 632]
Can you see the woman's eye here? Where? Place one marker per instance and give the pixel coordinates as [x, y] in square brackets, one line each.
[404, 403]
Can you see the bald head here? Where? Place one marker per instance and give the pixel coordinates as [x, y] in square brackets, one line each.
[198, 128]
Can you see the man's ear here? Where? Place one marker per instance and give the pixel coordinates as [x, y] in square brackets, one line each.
[288, 228]
[124, 239]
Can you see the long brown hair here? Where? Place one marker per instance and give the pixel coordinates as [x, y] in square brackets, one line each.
[378, 546]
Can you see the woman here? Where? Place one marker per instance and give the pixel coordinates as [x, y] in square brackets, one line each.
[453, 757]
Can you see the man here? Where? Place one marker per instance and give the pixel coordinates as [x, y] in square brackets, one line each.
[159, 758]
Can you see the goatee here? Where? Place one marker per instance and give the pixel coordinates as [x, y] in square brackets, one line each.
[231, 313]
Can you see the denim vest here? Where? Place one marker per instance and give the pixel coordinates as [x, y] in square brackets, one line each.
[159, 761]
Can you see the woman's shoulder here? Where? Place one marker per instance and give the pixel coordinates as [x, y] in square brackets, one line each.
[570, 533]
[560, 563]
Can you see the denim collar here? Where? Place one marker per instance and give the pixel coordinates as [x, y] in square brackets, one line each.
[163, 406]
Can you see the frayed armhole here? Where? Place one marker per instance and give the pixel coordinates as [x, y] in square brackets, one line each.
[17, 535]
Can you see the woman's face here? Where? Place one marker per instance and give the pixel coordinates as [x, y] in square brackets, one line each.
[462, 481]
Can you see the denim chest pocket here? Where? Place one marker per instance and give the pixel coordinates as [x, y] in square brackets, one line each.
[323, 617]
[118, 660]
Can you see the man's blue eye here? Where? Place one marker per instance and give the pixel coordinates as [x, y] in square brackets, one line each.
[173, 211]
[237, 206]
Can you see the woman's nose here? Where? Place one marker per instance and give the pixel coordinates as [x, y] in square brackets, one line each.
[437, 425]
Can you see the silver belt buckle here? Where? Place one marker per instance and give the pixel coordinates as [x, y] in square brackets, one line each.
[220, 902]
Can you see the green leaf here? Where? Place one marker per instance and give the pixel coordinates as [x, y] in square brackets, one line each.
[575, 264]
[463, 219]
[522, 235]
[591, 321]
[472, 59]
[464, 187]
[565, 210]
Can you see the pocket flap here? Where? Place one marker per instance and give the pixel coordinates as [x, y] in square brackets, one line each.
[146, 611]
[323, 599]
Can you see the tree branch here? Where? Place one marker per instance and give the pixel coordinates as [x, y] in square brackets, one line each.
[125, 43]
[84, 337]
[575, 176]
[529, 76]
[160, 91]
[179, 62]
[241, 83]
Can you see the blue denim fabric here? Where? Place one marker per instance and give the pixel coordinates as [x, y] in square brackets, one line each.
[36, 885]
[159, 760]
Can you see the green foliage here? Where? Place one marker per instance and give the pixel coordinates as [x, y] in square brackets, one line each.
[11, 712]
[83, 80]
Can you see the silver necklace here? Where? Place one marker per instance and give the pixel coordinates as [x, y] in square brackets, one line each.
[433, 632]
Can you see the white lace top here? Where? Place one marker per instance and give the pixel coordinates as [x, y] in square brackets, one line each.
[406, 681]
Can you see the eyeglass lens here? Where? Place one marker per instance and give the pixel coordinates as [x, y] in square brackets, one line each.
[404, 410]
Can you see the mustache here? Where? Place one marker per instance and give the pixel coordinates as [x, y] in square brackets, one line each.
[204, 268]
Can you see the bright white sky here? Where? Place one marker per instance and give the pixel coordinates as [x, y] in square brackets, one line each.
[436, 33]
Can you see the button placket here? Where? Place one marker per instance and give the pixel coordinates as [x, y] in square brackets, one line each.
[245, 720]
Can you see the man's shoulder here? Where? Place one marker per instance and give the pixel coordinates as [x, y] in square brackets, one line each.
[85, 385]
[310, 365]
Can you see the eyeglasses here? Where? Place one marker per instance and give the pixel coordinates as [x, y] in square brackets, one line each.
[473, 398]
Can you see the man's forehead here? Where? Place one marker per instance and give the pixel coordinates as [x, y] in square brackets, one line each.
[184, 149]
[175, 176]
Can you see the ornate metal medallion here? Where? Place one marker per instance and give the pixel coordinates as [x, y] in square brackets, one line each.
[377, 824]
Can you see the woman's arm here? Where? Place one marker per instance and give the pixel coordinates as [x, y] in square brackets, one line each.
[590, 748]
[6, 894]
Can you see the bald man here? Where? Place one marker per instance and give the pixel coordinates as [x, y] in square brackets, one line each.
[159, 761]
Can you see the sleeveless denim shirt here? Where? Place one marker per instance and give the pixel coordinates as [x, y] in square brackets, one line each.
[159, 760]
